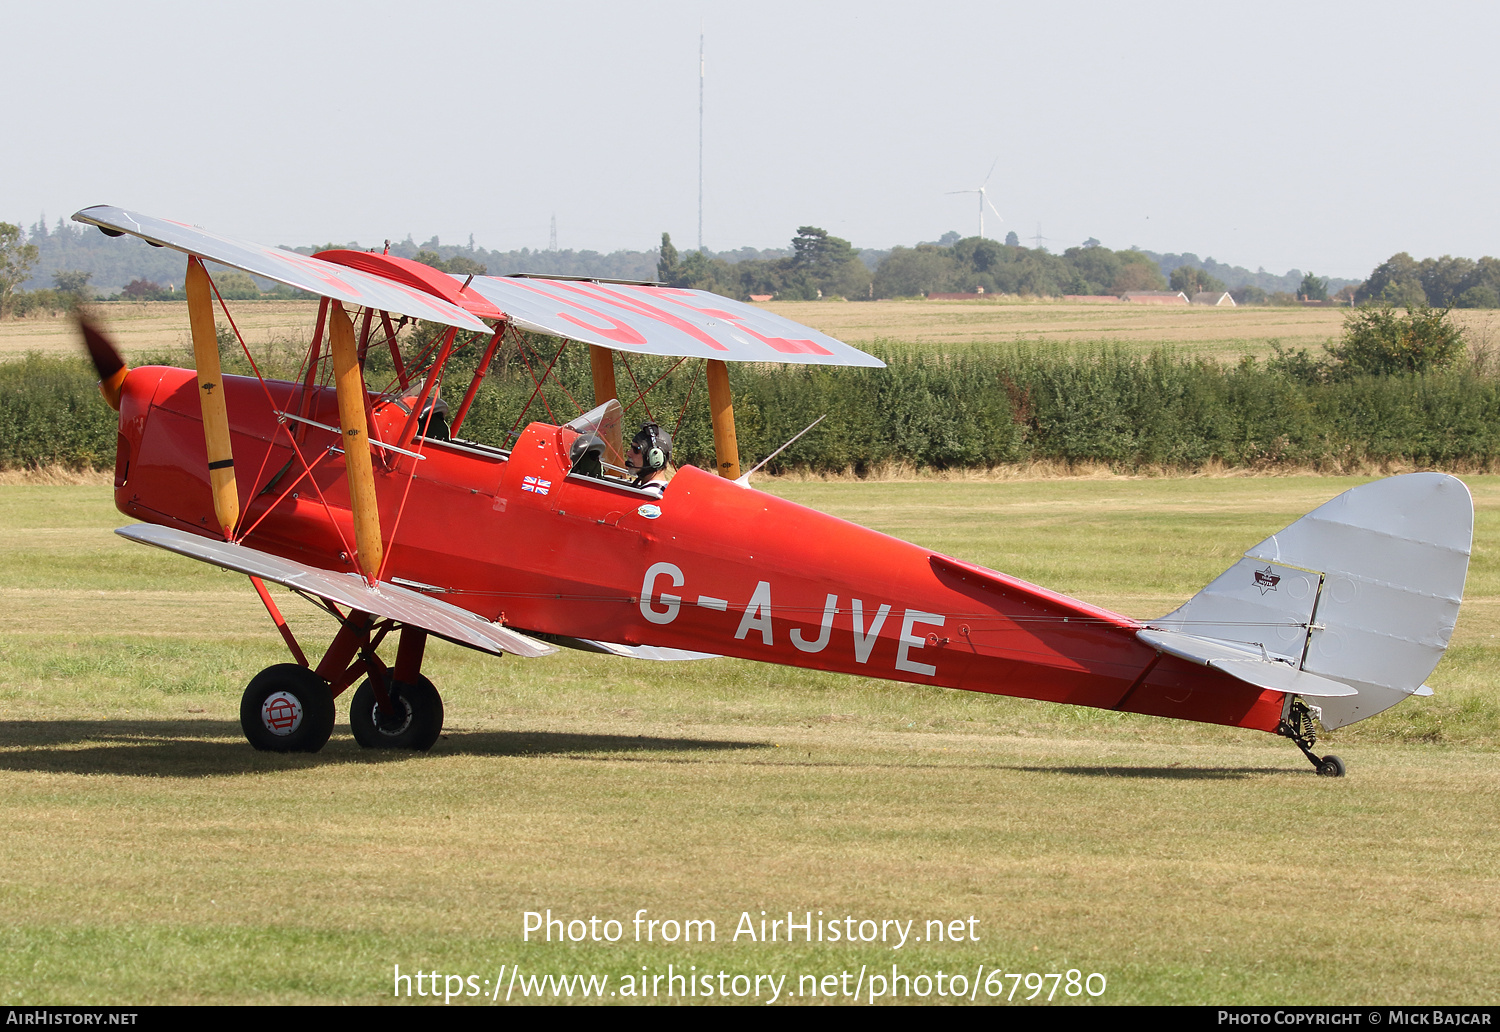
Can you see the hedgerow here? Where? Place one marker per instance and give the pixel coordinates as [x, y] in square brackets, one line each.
[981, 408]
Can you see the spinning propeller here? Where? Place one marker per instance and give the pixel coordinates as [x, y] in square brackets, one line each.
[108, 361]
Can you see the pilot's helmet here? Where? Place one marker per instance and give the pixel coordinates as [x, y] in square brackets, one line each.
[651, 448]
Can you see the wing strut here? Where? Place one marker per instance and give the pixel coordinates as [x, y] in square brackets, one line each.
[211, 397]
[602, 365]
[726, 448]
[350, 387]
[484, 365]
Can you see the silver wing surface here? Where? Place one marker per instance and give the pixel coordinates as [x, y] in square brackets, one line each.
[347, 589]
[295, 270]
[662, 321]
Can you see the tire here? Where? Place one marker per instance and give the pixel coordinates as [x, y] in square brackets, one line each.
[1331, 767]
[287, 708]
[416, 724]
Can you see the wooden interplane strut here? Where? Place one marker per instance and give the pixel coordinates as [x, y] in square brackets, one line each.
[211, 397]
[350, 386]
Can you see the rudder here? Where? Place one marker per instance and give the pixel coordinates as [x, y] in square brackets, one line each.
[1364, 590]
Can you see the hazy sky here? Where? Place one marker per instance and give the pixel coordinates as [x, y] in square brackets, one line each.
[1322, 136]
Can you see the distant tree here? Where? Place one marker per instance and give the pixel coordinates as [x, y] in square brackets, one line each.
[1313, 289]
[700, 272]
[1482, 296]
[1090, 242]
[1395, 281]
[949, 238]
[236, 286]
[1249, 294]
[1445, 279]
[458, 265]
[851, 280]
[976, 262]
[141, 290]
[1136, 275]
[1095, 269]
[16, 260]
[1445, 282]
[1191, 280]
[1377, 340]
[666, 265]
[72, 281]
[1486, 276]
[814, 249]
[911, 271]
[823, 266]
[1011, 240]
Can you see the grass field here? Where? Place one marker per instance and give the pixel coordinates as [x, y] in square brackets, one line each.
[150, 856]
[1220, 333]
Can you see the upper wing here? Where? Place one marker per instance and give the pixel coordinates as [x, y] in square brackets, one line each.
[662, 321]
[295, 270]
[347, 589]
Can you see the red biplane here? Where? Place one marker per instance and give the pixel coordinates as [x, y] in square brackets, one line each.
[371, 505]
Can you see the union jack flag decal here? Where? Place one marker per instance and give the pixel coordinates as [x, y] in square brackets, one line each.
[536, 484]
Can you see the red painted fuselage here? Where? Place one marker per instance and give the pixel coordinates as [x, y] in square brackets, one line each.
[711, 567]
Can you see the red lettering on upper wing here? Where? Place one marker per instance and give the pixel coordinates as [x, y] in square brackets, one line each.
[785, 345]
[616, 330]
[638, 307]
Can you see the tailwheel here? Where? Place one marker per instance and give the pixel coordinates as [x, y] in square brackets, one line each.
[287, 708]
[411, 719]
[1299, 726]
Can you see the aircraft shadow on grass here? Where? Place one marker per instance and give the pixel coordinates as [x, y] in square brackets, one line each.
[1167, 773]
[209, 748]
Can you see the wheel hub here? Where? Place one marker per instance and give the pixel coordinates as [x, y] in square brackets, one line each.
[281, 713]
[395, 720]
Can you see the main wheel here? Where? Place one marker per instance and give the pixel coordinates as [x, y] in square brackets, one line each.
[287, 708]
[414, 721]
[1331, 767]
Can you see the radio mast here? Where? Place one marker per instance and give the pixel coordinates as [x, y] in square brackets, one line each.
[700, 137]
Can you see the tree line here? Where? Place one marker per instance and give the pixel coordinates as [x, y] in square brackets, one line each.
[66, 260]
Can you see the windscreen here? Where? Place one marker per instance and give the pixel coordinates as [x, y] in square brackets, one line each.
[607, 423]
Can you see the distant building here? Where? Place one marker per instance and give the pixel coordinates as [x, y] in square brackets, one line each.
[956, 297]
[1156, 297]
[760, 297]
[1216, 298]
[1092, 299]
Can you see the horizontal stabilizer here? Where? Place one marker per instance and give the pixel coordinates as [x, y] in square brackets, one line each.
[347, 589]
[295, 270]
[1246, 666]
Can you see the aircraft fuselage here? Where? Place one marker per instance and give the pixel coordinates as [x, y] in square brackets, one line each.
[712, 566]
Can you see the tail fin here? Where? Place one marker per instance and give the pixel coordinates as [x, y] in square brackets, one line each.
[1364, 590]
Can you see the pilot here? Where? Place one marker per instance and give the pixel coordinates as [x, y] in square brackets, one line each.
[650, 452]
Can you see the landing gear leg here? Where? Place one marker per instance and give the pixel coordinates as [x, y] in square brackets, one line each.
[1298, 725]
[398, 709]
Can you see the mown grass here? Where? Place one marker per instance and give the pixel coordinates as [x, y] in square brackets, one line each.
[151, 856]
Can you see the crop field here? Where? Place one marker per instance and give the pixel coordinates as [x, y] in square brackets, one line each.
[151, 856]
[1226, 334]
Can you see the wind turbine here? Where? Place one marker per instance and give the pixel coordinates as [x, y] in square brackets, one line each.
[983, 200]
